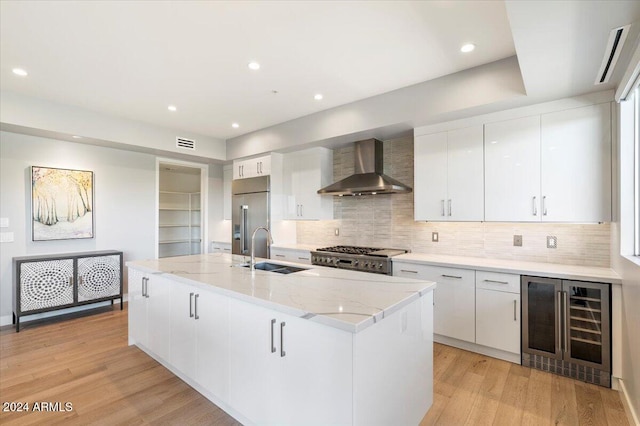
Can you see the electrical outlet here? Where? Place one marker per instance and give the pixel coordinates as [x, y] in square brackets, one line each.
[336, 232]
[552, 242]
[517, 240]
[434, 237]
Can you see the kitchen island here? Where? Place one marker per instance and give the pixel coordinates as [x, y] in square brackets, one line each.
[318, 346]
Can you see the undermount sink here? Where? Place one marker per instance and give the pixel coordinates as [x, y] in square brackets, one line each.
[274, 267]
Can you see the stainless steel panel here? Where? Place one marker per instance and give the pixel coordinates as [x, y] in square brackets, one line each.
[246, 220]
[250, 185]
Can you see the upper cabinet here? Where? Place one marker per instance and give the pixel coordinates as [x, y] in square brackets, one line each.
[553, 167]
[448, 175]
[576, 165]
[260, 166]
[304, 172]
[512, 170]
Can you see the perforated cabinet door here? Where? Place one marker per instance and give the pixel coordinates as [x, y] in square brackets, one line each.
[46, 284]
[98, 277]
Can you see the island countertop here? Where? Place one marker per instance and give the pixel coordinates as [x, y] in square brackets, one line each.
[348, 300]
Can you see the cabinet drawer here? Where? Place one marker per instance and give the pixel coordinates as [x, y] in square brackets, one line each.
[509, 283]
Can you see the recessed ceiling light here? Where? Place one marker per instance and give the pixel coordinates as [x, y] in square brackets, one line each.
[172, 108]
[76, 137]
[235, 125]
[254, 65]
[20, 72]
[318, 96]
[467, 48]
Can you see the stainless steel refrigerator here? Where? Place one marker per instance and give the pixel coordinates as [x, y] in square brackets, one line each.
[250, 204]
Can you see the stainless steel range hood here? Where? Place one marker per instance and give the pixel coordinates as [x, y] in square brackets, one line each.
[368, 178]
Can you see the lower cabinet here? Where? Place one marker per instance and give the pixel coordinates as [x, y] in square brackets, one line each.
[273, 360]
[199, 334]
[498, 311]
[454, 298]
[291, 255]
[149, 312]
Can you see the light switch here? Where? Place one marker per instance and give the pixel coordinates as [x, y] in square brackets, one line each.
[6, 237]
[4, 222]
[434, 237]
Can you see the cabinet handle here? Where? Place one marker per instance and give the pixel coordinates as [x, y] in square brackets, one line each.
[273, 348]
[301, 210]
[258, 167]
[441, 207]
[515, 304]
[449, 207]
[80, 280]
[303, 258]
[544, 205]
[196, 306]
[566, 328]
[535, 206]
[280, 255]
[497, 282]
[70, 281]
[282, 352]
[559, 325]
[142, 282]
[190, 305]
[408, 270]
[452, 276]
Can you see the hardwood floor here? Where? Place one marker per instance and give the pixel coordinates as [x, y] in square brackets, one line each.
[85, 361]
[471, 389]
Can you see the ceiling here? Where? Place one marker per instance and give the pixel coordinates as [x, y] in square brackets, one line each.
[133, 59]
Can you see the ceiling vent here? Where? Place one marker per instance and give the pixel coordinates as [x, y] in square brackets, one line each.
[617, 36]
[185, 143]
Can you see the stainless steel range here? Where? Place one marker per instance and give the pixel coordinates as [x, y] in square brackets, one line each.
[367, 259]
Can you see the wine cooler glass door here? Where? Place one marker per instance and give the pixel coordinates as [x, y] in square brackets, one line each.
[541, 316]
[587, 340]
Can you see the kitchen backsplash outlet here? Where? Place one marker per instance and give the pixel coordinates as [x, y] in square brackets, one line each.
[517, 240]
[387, 221]
[552, 242]
[434, 237]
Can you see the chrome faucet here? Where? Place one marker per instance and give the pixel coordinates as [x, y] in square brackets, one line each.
[252, 264]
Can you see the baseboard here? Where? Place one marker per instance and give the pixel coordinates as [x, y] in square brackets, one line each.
[473, 347]
[632, 415]
[8, 319]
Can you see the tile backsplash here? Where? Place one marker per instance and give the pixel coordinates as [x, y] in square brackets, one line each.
[387, 221]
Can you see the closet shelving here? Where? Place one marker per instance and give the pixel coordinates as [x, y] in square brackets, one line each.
[179, 223]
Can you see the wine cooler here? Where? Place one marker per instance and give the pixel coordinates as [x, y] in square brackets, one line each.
[566, 328]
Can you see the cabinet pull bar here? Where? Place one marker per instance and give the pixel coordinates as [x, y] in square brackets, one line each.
[273, 348]
[280, 255]
[535, 207]
[408, 270]
[70, 281]
[282, 352]
[497, 282]
[301, 210]
[564, 312]
[142, 281]
[196, 306]
[449, 206]
[515, 305]
[303, 258]
[80, 281]
[559, 323]
[190, 305]
[441, 207]
[452, 276]
[544, 205]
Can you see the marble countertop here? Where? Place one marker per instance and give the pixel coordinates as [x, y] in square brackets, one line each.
[551, 270]
[348, 300]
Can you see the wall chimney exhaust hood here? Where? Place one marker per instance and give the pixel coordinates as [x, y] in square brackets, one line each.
[368, 178]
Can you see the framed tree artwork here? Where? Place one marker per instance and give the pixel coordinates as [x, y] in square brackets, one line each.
[61, 204]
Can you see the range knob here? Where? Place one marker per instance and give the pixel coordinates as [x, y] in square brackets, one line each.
[355, 263]
[380, 265]
[366, 264]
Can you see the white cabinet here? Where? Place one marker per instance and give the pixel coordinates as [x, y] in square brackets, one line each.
[199, 337]
[150, 312]
[454, 297]
[260, 166]
[498, 311]
[291, 255]
[448, 183]
[554, 167]
[304, 173]
[227, 177]
[512, 170]
[273, 360]
[220, 247]
[576, 165]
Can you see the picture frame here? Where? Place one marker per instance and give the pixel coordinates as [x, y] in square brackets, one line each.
[62, 204]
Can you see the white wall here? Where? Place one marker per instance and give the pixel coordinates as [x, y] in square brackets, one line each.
[622, 260]
[124, 203]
